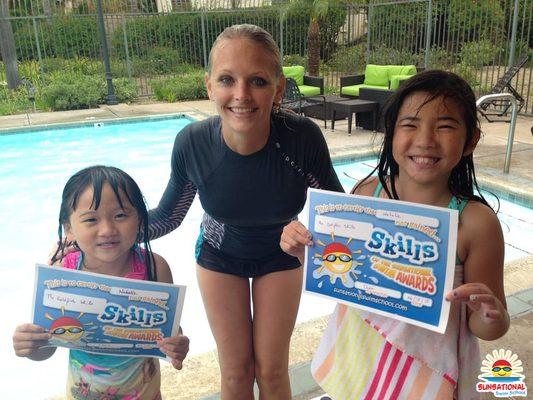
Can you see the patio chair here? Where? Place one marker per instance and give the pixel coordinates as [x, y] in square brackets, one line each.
[498, 108]
[295, 101]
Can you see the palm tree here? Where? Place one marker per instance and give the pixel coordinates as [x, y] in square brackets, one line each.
[7, 46]
[319, 9]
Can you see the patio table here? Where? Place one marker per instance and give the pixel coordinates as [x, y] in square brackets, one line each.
[354, 106]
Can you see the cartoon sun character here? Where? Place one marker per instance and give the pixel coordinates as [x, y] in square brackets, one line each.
[337, 258]
[67, 329]
[336, 261]
[70, 330]
[502, 368]
[501, 365]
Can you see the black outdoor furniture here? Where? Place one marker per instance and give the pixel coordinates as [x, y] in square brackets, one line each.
[295, 101]
[356, 106]
[498, 108]
[366, 121]
[318, 110]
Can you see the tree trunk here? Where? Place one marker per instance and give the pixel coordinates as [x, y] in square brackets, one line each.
[47, 9]
[181, 5]
[134, 6]
[7, 47]
[313, 47]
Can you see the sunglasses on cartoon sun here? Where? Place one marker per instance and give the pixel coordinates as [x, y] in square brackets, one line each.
[498, 369]
[60, 331]
[333, 257]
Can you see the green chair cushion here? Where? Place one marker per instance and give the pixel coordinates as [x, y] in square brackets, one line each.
[376, 75]
[354, 89]
[401, 70]
[295, 72]
[396, 79]
[309, 90]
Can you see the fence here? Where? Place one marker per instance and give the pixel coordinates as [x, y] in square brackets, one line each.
[149, 40]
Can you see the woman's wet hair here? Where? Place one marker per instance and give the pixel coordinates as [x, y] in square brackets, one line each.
[255, 34]
[437, 84]
[122, 185]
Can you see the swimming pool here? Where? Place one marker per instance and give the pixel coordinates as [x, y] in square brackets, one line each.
[34, 167]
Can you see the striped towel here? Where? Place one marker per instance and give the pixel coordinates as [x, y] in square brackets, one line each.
[367, 356]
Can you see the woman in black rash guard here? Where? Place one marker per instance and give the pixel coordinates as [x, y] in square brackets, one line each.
[251, 167]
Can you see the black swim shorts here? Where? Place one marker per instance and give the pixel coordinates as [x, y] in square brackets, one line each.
[215, 260]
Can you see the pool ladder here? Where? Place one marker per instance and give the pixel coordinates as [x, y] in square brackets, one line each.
[512, 125]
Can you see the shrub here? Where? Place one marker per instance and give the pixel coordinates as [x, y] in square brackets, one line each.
[74, 90]
[13, 101]
[78, 65]
[439, 58]
[185, 87]
[480, 53]
[386, 55]
[71, 91]
[348, 59]
[160, 61]
[126, 91]
[468, 73]
[471, 16]
[295, 59]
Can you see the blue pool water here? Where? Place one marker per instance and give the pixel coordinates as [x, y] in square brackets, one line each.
[33, 170]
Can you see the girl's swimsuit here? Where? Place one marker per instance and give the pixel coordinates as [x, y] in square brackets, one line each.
[97, 376]
[364, 355]
[247, 199]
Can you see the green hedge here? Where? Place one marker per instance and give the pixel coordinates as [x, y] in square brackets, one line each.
[70, 91]
[185, 87]
[181, 33]
[58, 37]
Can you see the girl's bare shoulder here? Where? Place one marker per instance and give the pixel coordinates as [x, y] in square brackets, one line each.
[480, 223]
[366, 188]
[162, 269]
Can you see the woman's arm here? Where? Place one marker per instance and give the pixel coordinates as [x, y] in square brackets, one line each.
[483, 268]
[178, 195]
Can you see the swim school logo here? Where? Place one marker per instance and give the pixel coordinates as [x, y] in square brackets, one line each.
[501, 375]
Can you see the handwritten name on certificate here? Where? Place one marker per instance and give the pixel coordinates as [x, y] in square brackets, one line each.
[388, 257]
[105, 314]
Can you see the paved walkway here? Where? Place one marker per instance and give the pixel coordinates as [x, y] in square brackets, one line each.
[200, 377]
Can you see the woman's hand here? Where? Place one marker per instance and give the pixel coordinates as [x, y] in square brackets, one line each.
[28, 340]
[294, 238]
[489, 319]
[175, 347]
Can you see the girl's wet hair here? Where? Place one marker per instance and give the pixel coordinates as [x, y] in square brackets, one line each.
[122, 184]
[451, 87]
[255, 34]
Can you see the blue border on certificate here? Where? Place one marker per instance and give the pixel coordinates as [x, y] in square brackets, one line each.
[385, 256]
[104, 314]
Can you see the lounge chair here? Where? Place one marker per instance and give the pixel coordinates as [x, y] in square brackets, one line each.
[295, 101]
[308, 85]
[498, 108]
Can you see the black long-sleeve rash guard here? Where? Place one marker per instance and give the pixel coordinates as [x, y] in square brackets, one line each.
[247, 199]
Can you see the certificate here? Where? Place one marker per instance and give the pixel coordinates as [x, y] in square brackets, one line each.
[384, 256]
[105, 314]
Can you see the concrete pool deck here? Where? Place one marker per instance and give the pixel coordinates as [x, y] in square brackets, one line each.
[200, 377]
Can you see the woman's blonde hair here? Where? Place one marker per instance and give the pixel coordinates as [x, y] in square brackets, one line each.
[255, 34]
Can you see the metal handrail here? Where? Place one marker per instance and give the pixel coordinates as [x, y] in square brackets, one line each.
[512, 125]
